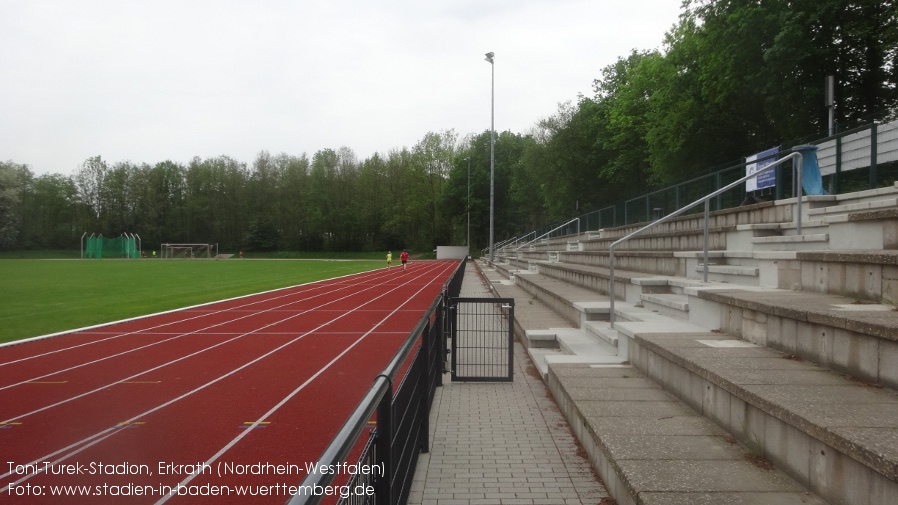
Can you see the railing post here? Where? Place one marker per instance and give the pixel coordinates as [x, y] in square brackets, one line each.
[873, 170]
[838, 174]
[798, 208]
[383, 487]
[510, 357]
[798, 165]
[424, 385]
[717, 187]
[779, 183]
[611, 286]
[441, 340]
[705, 260]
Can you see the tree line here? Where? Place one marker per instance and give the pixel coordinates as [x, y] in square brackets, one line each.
[735, 77]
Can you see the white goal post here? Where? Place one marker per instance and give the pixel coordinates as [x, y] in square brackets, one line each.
[187, 251]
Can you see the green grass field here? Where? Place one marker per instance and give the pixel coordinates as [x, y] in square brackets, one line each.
[38, 297]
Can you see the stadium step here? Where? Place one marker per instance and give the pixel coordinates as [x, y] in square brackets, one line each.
[832, 432]
[548, 336]
[760, 418]
[651, 447]
[784, 364]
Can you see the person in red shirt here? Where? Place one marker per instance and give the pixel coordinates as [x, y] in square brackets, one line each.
[403, 258]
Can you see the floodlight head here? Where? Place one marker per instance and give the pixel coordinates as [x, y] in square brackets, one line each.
[489, 57]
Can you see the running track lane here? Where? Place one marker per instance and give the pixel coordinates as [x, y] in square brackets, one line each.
[250, 383]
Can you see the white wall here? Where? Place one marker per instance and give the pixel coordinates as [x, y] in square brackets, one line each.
[452, 252]
[856, 149]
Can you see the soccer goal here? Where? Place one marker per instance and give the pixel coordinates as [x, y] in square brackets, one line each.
[187, 251]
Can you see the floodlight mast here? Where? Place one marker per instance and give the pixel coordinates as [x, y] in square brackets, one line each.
[468, 205]
[489, 57]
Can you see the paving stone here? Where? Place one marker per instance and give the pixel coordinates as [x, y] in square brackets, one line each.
[501, 443]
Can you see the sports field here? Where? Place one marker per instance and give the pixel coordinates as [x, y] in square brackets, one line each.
[38, 297]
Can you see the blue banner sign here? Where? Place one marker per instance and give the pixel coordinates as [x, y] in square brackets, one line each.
[768, 178]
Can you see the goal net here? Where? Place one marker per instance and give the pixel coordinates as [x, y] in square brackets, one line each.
[187, 251]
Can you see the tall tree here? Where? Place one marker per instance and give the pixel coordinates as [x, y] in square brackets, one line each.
[292, 190]
[622, 98]
[10, 197]
[433, 160]
[91, 182]
[374, 201]
[48, 209]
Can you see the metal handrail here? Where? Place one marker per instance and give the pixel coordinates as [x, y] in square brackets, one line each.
[504, 243]
[706, 199]
[522, 237]
[499, 245]
[577, 219]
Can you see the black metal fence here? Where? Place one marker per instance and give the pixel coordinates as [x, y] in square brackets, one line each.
[482, 333]
[864, 167]
[398, 404]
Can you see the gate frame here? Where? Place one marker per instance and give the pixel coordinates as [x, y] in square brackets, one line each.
[507, 310]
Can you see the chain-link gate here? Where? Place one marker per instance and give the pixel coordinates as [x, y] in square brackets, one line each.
[482, 333]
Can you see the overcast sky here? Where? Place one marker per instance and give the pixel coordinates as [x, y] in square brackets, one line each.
[149, 81]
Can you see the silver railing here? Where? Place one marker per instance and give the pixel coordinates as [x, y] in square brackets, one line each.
[577, 219]
[706, 200]
[503, 244]
[518, 248]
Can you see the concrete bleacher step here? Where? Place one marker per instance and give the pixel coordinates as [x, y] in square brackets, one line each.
[634, 314]
[641, 323]
[747, 271]
[543, 358]
[594, 310]
[805, 242]
[569, 345]
[576, 341]
[773, 229]
[753, 423]
[650, 447]
[544, 334]
[857, 197]
[842, 333]
[742, 275]
[602, 331]
[853, 207]
[791, 350]
[674, 305]
[558, 295]
[832, 433]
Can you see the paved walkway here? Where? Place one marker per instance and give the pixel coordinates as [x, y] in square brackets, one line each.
[501, 443]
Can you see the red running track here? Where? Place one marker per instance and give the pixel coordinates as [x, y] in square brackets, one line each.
[228, 398]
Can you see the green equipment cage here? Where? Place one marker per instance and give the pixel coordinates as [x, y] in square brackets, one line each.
[99, 247]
